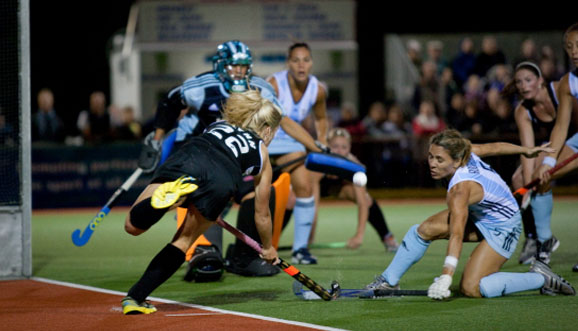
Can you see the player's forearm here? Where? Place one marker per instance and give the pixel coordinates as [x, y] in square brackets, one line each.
[264, 228]
[499, 148]
[296, 131]
[322, 126]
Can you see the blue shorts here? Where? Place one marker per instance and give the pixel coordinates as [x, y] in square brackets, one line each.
[573, 143]
[502, 237]
[285, 145]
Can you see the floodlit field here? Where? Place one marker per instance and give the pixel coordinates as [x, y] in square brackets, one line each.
[114, 260]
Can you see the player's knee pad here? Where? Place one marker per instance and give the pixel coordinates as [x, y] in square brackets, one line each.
[206, 265]
[143, 215]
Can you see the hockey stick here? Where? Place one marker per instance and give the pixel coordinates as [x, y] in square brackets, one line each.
[337, 244]
[285, 266]
[522, 190]
[357, 293]
[289, 163]
[80, 239]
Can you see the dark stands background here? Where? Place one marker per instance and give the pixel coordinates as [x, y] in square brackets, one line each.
[69, 41]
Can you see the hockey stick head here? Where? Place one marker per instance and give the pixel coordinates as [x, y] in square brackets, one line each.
[335, 290]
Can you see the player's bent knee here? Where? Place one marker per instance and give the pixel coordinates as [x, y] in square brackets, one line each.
[142, 216]
[471, 288]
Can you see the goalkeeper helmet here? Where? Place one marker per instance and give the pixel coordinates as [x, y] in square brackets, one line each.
[230, 54]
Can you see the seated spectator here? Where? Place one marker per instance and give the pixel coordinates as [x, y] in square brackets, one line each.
[46, 124]
[427, 122]
[94, 123]
[471, 123]
[528, 52]
[428, 87]
[456, 110]
[414, 52]
[349, 120]
[435, 50]
[374, 119]
[463, 64]
[448, 87]
[474, 90]
[489, 56]
[129, 129]
[503, 122]
[396, 125]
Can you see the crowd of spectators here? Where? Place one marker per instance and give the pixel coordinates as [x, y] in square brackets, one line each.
[460, 90]
[98, 123]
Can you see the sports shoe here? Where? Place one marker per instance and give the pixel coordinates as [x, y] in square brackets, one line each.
[168, 193]
[381, 284]
[545, 249]
[575, 269]
[553, 283]
[131, 307]
[249, 265]
[302, 256]
[390, 243]
[528, 254]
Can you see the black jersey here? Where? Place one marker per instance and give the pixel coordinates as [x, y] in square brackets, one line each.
[240, 146]
[541, 127]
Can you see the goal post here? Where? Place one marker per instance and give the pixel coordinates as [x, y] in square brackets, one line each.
[15, 141]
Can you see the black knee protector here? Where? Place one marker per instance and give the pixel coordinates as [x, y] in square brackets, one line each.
[143, 215]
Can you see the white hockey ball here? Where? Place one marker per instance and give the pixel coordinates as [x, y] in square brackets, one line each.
[359, 179]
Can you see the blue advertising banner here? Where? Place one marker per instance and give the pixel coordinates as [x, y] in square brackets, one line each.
[65, 176]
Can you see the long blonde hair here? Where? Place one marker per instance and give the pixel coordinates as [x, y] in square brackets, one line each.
[249, 110]
[458, 147]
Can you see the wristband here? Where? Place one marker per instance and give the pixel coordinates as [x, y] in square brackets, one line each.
[549, 161]
[451, 262]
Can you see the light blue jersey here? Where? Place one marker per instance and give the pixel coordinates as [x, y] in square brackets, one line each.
[297, 111]
[497, 215]
[207, 95]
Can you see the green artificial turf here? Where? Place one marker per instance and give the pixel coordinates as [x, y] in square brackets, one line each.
[114, 260]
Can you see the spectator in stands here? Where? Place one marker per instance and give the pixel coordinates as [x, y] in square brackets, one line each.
[349, 120]
[528, 52]
[456, 110]
[130, 128]
[427, 122]
[471, 123]
[396, 126]
[503, 122]
[474, 90]
[373, 121]
[499, 76]
[435, 50]
[464, 62]
[94, 123]
[46, 124]
[489, 56]
[414, 52]
[448, 87]
[428, 86]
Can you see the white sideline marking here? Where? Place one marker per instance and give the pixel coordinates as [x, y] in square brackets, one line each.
[193, 314]
[190, 305]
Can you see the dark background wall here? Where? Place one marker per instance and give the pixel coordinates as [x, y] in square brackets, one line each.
[69, 41]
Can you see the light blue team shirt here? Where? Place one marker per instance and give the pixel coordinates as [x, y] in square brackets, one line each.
[283, 143]
[497, 215]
